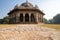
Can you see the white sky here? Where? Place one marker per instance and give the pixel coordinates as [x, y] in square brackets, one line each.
[50, 8]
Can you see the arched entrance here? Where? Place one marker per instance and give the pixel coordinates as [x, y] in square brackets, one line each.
[32, 18]
[26, 17]
[21, 17]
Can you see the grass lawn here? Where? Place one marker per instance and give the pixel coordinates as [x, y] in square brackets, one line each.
[55, 26]
[6, 25]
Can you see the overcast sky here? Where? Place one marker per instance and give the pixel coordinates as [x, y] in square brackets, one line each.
[49, 7]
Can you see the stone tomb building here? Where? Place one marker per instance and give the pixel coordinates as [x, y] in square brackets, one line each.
[25, 13]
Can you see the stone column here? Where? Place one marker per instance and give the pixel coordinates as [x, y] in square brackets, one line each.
[37, 17]
[17, 17]
[29, 17]
[12, 19]
[41, 18]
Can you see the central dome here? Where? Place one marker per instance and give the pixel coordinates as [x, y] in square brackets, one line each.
[26, 4]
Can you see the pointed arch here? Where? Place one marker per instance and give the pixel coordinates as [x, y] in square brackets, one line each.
[21, 17]
[32, 18]
[26, 17]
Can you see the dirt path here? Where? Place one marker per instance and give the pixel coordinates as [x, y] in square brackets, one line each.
[28, 32]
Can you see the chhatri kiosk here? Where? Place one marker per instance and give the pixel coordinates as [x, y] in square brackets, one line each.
[25, 13]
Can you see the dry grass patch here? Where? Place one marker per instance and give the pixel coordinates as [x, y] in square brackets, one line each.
[6, 25]
[55, 26]
[12, 25]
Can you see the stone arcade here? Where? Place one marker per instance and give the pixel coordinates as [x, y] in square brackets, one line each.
[25, 13]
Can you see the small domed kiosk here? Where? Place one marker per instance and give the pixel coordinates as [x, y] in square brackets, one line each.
[25, 13]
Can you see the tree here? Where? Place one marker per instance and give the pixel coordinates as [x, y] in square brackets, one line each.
[1, 21]
[57, 19]
[51, 21]
[45, 21]
[6, 20]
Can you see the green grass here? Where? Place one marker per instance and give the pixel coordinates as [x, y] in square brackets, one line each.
[55, 26]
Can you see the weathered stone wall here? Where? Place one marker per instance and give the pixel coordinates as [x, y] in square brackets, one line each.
[15, 16]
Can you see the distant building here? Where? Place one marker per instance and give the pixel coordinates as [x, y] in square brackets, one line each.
[26, 13]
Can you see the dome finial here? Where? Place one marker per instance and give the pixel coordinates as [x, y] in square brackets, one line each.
[26, 1]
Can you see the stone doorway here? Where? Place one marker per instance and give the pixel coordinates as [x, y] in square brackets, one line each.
[26, 17]
[21, 17]
[32, 18]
